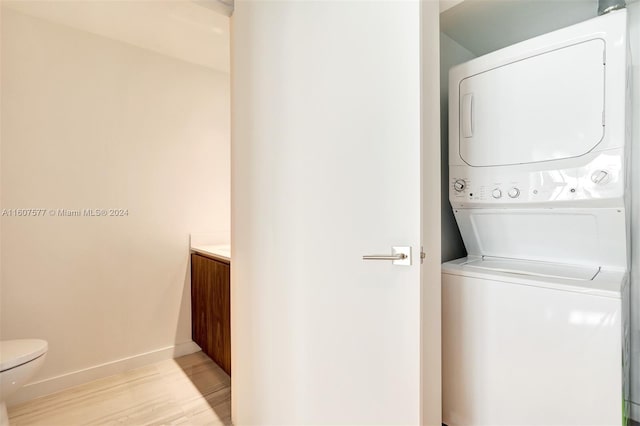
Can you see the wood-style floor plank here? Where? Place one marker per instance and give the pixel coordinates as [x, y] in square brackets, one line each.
[190, 390]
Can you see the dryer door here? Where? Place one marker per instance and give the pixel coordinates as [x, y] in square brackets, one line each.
[546, 107]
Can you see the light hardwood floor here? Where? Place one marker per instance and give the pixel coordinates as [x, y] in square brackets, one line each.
[191, 390]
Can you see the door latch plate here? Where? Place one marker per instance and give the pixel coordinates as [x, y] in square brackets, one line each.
[402, 250]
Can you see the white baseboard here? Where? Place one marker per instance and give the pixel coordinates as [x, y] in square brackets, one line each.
[635, 411]
[64, 381]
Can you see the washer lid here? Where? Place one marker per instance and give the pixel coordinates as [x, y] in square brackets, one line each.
[536, 269]
[17, 352]
[607, 282]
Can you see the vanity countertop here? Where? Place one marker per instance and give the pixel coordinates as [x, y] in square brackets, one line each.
[218, 252]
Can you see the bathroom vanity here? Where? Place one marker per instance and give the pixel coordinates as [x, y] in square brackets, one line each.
[211, 302]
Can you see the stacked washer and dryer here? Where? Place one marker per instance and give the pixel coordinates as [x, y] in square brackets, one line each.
[535, 319]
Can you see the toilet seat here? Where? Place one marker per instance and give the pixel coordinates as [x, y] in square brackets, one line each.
[14, 353]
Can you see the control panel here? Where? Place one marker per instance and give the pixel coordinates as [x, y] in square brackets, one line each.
[598, 179]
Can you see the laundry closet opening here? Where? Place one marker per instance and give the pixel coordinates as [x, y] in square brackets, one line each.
[472, 29]
[498, 218]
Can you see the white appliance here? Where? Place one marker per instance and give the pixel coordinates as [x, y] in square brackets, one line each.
[535, 319]
[19, 361]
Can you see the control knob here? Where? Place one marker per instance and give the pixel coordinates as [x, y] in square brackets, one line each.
[459, 185]
[600, 176]
[514, 192]
[497, 193]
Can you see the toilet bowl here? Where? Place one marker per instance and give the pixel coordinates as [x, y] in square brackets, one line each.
[19, 361]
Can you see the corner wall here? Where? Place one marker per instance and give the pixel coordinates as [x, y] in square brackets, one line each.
[93, 123]
[451, 54]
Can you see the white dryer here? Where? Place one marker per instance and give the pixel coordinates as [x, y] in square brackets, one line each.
[535, 319]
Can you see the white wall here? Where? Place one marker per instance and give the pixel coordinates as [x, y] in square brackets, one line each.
[634, 21]
[451, 53]
[89, 122]
[192, 31]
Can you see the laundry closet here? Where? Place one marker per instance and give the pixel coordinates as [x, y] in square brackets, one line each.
[539, 292]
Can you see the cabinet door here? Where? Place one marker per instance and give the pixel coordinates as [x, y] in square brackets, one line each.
[210, 303]
[198, 295]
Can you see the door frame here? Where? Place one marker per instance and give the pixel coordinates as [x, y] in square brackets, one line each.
[431, 277]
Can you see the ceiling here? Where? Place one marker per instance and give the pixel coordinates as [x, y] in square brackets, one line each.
[192, 31]
[221, 6]
[483, 26]
[197, 31]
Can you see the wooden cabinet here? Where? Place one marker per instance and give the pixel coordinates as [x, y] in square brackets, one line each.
[211, 308]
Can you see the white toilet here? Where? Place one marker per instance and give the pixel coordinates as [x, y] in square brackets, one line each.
[19, 360]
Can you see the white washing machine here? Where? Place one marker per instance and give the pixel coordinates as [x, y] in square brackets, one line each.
[531, 343]
[535, 319]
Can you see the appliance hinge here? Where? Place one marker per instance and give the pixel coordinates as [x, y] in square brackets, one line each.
[422, 255]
